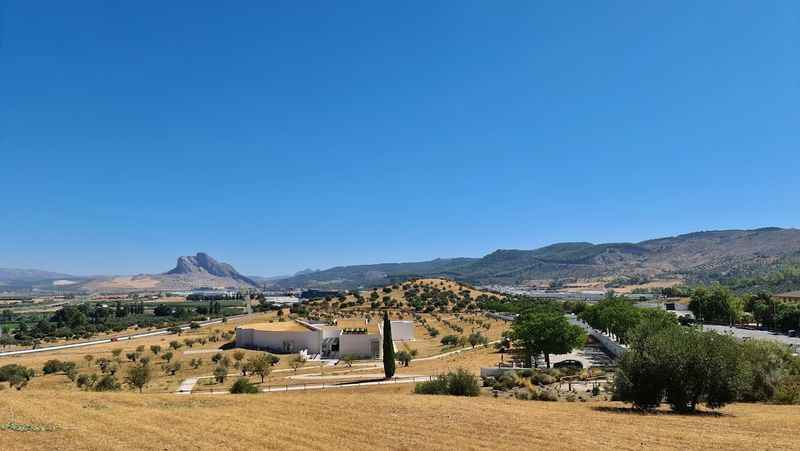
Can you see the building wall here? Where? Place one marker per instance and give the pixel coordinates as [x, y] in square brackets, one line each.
[402, 330]
[244, 338]
[359, 345]
[280, 341]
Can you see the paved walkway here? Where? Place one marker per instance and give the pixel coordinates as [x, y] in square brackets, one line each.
[187, 385]
[303, 387]
[201, 351]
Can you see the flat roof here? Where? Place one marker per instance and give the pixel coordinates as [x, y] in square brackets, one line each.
[372, 327]
[791, 294]
[279, 326]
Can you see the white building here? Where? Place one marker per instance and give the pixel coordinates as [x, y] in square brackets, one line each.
[359, 338]
[402, 330]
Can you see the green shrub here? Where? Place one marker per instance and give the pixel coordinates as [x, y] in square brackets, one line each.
[107, 383]
[458, 383]
[52, 366]
[450, 340]
[437, 386]
[555, 372]
[541, 378]
[548, 395]
[462, 383]
[242, 385]
[763, 366]
[505, 381]
[682, 365]
[788, 391]
[85, 381]
[17, 376]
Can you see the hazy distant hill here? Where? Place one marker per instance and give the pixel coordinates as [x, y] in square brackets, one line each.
[353, 276]
[198, 271]
[15, 280]
[10, 275]
[692, 256]
[728, 255]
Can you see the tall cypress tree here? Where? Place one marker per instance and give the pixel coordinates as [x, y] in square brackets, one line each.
[388, 347]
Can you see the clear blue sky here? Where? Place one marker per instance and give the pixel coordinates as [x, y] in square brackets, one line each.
[283, 135]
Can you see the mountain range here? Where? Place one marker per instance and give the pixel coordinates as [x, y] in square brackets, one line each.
[700, 256]
[695, 256]
[197, 271]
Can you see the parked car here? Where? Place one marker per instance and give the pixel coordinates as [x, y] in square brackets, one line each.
[569, 363]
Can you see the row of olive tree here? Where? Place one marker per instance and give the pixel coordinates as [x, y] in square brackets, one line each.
[686, 367]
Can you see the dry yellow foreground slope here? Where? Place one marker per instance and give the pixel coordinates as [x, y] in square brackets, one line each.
[381, 418]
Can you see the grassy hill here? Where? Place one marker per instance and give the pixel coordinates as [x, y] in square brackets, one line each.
[384, 418]
[419, 295]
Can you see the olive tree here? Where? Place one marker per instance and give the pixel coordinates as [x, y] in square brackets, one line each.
[138, 376]
[544, 329]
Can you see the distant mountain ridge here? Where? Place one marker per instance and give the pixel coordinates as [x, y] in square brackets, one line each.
[695, 257]
[190, 272]
[23, 275]
[691, 256]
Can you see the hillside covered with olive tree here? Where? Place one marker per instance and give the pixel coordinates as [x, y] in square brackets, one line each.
[695, 257]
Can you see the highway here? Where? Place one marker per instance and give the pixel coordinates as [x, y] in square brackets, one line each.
[83, 344]
[755, 334]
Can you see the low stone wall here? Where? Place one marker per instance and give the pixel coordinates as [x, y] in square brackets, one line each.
[613, 348]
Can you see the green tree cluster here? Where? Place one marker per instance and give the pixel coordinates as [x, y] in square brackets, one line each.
[686, 367]
[545, 330]
[715, 304]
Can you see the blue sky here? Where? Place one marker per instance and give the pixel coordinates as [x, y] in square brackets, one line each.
[283, 135]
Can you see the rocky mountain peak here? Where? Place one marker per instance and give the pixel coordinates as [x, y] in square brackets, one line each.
[202, 263]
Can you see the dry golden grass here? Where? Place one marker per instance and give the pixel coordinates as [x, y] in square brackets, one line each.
[428, 346]
[377, 418]
[164, 383]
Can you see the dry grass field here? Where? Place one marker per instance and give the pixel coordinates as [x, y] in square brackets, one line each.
[162, 382]
[375, 418]
[165, 383]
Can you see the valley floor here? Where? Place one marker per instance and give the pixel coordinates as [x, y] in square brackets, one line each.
[379, 418]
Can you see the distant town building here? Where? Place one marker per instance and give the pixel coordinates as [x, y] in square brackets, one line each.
[792, 296]
[318, 294]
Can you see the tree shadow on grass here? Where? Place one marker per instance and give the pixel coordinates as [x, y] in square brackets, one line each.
[635, 411]
[361, 381]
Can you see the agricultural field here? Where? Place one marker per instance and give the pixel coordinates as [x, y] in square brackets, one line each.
[206, 342]
[162, 382]
[371, 418]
